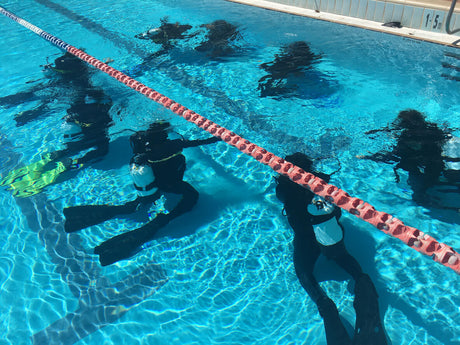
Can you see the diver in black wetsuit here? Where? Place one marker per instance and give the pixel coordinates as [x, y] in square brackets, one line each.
[293, 60]
[86, 139]
[220, 39]
[88, 121]
[429, 154]
[166, 34]
[67, 77]
[157, 167]
[317, 230]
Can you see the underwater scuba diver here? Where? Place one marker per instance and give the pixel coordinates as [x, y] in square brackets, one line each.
[86, 139]
[292, 71]
[317, 230]
[67, 79]
[220, 39]
[157, 167]
[166, 34]
[429, 154]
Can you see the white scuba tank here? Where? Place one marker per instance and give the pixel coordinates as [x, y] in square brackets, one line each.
[71, 129]
[143, 179]
[451, 149]
[328, 232]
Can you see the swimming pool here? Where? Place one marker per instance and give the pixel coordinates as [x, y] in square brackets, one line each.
[225, 274]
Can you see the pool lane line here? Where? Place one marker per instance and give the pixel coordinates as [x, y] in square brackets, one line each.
[390, 225]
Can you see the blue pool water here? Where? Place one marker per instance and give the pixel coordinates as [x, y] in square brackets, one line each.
[223, 274]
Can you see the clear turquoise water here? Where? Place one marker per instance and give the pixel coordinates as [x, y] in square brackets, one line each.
[223, 274]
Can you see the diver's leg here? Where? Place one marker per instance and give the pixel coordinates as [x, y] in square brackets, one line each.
[18, 98]
[305, 256]
[81, 217]
[369, 329]
[188, 200]
[126, 245]
[340, 255]
[27, 116]
[101, 148]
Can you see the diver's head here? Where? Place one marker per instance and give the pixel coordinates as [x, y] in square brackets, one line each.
[301, 160]
[158, 131]
[288, 190]
[298, 48]
[410, 119]
[319, 206]
[157, 35]
[69, 64]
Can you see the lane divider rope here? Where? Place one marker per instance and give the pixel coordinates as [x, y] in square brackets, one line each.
[413, 237]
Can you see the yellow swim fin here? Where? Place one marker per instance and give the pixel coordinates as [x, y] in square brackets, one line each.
[28, 172]
[25, 185]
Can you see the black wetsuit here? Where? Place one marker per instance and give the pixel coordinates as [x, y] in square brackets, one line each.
[220, 39]
[419, 151]
[307, 250]
[168, 164]
[69, 81]
[92, 120]
[294, 59]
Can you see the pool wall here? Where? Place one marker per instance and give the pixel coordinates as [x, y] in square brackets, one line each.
[423, 19]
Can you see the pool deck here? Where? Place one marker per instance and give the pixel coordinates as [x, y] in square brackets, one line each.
[425, 35]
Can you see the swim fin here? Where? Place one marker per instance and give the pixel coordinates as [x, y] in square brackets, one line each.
[33, 178]
[81, 217]
[369, 329]
[21, 173]
[128, 244]
[27, 116]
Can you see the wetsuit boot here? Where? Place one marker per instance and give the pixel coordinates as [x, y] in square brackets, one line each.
[335, 330]
[369, 328]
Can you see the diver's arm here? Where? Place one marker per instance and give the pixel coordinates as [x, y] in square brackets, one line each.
[199, 142]
[384, 157]
[384, 129]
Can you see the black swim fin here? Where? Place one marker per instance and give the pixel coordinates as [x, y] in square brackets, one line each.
[128, 244]
[369, 329]
[81, 217]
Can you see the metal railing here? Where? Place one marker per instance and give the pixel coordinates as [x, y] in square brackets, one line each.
[449, 17]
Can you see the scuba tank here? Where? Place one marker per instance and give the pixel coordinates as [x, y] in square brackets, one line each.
[142, 175]
[328, 232]
[451, 154]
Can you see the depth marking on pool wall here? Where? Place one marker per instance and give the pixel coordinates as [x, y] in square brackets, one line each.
[413, 237]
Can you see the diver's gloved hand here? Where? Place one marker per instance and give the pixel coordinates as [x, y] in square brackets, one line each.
[126, 245]
[70, 163]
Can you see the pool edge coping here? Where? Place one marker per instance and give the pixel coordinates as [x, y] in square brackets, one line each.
[417, 34]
